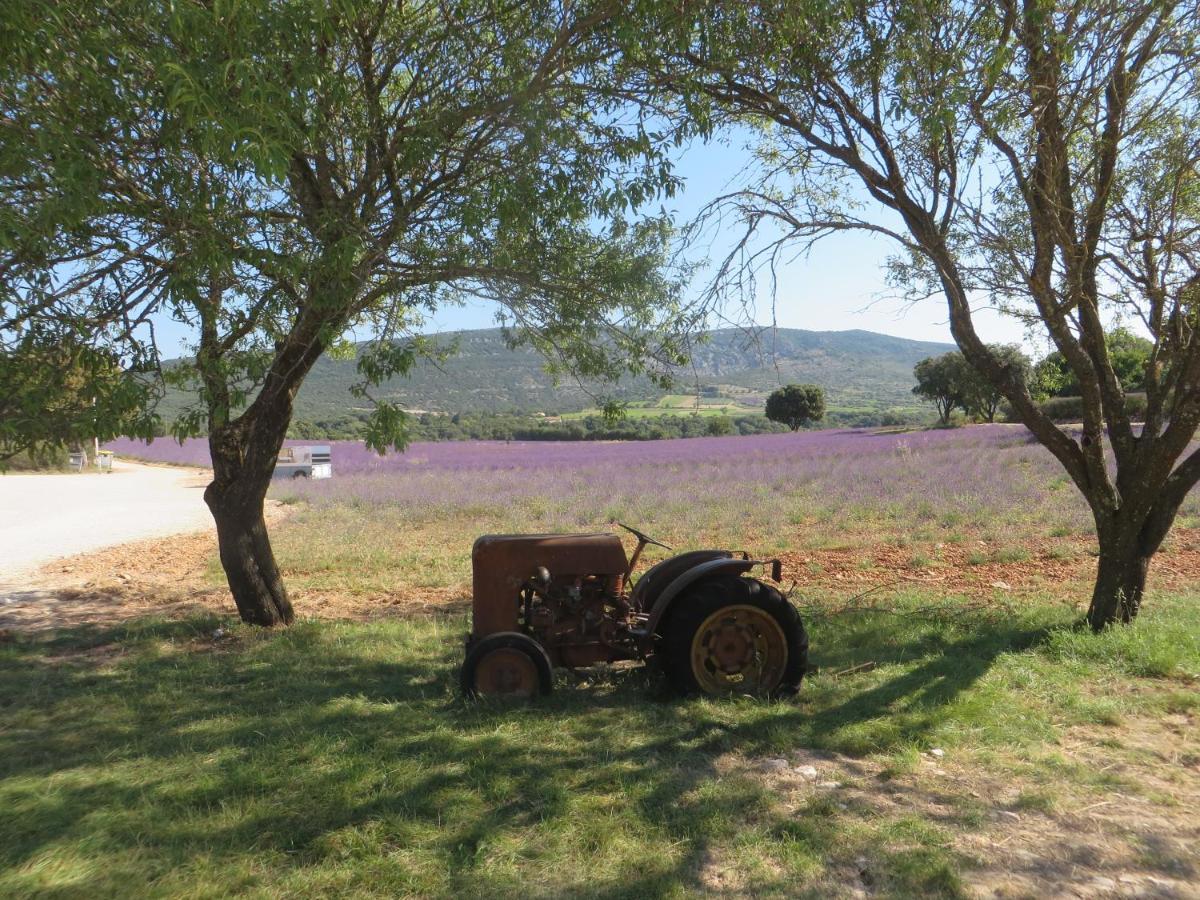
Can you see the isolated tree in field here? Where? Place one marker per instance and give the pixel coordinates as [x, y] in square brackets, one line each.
[981, 397]
[719, 426]
[942, 380]
[795, 405]
[1044, 154]
[276, 173]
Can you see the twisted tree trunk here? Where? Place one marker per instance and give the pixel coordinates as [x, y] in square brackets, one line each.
[236, 498]
[244, 451]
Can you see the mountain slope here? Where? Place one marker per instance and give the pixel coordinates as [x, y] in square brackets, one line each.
[858, 369]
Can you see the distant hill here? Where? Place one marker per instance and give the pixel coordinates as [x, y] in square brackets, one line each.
[857, 369]
[860, 370]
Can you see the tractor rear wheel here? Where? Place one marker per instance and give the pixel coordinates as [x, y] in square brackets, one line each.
[732, 635]
[507, 664]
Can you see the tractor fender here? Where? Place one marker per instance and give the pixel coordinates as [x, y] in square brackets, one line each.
[693, 575]
[660, 575]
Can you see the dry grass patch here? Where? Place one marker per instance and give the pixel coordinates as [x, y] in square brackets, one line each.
[1019, 827]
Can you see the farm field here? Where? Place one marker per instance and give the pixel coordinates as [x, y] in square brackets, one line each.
[959, 734]
[686, 405]
[674, 404]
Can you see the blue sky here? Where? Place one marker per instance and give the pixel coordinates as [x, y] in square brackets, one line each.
[840, 285]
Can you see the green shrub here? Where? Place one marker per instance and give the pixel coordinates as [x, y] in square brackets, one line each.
[1070, 409]
[39, 460]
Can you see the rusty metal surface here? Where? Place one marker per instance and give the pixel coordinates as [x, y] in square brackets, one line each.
[693, 575]
[739, 648]
[502, 563]
[578, 656]
[568, 593]
[659, 576]
[506, 672]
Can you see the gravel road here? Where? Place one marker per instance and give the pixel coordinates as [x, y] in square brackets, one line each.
[46, 516]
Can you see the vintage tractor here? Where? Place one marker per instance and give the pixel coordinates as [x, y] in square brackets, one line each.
[543, 601]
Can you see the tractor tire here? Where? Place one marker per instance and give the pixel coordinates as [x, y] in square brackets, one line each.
[507, 665]
[733, 635]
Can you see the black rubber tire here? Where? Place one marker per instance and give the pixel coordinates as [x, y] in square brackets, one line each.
[689, 611]
[507, 640]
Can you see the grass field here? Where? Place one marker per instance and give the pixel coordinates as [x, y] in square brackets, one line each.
[688, 404]
[959, 735]
[337, 759]
[674, 405]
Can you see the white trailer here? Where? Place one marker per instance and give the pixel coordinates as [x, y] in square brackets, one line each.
[311, 461]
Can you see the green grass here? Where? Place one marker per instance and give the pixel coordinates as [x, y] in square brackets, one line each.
[1011, 555]
[336, 759]
[686, 405]
[673, 405]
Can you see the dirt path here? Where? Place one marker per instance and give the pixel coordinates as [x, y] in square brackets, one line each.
[47, 516]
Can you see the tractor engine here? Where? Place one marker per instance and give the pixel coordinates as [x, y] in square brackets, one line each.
[582, 619]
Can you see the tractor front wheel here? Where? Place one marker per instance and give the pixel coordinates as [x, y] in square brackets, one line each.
[733, 635]
[507, 664]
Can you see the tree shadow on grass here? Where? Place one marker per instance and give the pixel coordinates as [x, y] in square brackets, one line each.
[325, 735]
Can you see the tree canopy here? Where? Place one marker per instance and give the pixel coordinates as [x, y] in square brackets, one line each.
[56, 394]
[278, 175]
[796, 405]
[1130, 355]
[950, 382]
[942, 380]
[1041, 154]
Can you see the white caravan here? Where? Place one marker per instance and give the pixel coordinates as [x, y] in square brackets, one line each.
[312, 461]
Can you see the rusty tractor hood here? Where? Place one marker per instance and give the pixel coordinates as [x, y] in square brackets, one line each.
[501, 563]
[513, 557]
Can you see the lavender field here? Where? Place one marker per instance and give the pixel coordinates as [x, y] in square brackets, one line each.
[986, 478]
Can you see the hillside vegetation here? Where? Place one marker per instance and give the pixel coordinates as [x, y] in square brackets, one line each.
[732, 370]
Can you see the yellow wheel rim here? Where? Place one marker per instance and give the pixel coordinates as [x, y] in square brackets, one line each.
[739, 649]
[506, 673]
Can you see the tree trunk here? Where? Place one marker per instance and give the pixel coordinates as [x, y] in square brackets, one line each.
[1120, 583]
[246, 555]
[1120, 575]
[243, 457]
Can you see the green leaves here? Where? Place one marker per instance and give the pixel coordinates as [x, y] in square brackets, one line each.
[950, 382]
[57, 392]
[795, 405]
[271, 172]
[386, 428]
[1128, 353]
